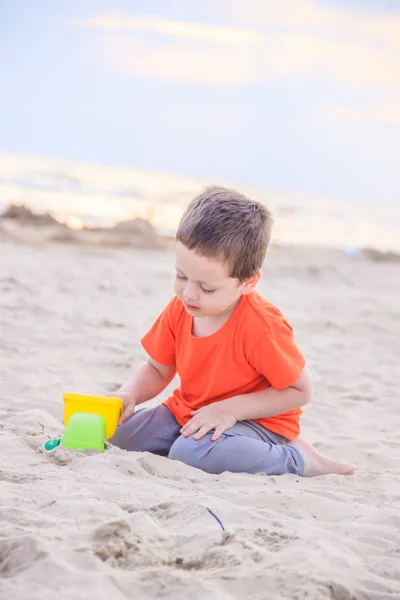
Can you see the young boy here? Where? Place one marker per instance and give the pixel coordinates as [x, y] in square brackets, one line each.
[243, 379]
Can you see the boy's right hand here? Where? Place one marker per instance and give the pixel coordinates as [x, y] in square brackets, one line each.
[129, 405]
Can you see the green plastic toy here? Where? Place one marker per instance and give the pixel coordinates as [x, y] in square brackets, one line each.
[52, 443]
[89, 422]
[84, 431]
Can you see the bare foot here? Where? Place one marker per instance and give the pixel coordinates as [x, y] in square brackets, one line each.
[318, 464]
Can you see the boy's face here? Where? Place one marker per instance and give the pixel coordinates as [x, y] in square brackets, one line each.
[204, 285]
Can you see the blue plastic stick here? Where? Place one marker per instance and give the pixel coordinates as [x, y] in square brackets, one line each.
[216, 518]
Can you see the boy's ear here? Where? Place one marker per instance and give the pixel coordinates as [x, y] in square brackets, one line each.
[249, 284]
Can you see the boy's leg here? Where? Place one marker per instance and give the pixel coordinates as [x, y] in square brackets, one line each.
[316, 463]
[148, 430]
[245, 448]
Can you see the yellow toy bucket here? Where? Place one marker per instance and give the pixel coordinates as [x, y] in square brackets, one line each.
[109, 408]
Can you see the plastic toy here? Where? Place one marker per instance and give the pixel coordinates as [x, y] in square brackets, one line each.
[89, 421]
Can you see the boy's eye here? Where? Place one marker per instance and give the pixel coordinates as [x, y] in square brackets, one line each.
[183, 278]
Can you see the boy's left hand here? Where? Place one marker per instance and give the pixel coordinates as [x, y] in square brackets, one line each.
[216, 416]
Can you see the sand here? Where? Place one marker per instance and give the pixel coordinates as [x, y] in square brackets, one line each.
[83, 526]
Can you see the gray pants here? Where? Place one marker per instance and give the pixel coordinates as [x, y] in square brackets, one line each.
[247, 447]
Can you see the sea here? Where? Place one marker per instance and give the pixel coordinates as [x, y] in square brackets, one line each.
[88, 194]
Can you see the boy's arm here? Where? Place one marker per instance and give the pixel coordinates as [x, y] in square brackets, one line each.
[271, 402]
[149, 380]
[256, 405]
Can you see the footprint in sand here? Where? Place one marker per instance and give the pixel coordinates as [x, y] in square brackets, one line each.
[18, 554]
[275, 541]
[116, 544]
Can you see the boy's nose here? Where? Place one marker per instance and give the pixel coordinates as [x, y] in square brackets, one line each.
[190, 292]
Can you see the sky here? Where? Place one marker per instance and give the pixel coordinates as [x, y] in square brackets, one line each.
[295, 95]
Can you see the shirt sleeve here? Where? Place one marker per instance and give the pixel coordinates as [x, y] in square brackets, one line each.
[277, 357]
[159, 341]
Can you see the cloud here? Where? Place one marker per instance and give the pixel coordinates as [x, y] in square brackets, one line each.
[166, 27]
[382, 113]
[311, 16]
[188, 63]
[288, 39]
[280, 56]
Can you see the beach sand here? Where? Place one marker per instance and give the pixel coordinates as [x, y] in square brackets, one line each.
[116, 525]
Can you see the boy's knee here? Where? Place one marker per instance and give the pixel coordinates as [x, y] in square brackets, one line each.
[190, 451]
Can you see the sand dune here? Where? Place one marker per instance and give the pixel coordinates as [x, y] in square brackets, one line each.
[124, 525]
[23, 224]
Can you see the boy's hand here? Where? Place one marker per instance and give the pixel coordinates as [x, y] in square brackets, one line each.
[129, 405]
[216, 416]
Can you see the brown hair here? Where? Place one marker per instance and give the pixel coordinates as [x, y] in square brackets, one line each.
[224, 224]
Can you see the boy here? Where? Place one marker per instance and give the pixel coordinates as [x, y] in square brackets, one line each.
[243, 379]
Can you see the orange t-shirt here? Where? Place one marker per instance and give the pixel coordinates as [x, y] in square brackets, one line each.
[253, 350]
